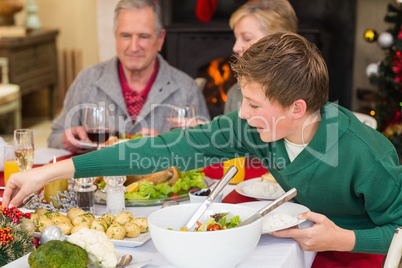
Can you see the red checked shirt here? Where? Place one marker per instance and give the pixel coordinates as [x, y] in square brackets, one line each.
[135, 101]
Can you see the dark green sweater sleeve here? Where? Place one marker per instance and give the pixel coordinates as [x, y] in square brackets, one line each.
[196, 147]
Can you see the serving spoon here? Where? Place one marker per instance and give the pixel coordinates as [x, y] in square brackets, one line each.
[124, 260]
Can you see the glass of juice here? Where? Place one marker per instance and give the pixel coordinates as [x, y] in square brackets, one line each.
[240, 164]
[10, 164]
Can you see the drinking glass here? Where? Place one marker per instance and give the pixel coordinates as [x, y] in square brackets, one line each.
[10, 164]
[24, 148]
[97, 124]
[181, 116]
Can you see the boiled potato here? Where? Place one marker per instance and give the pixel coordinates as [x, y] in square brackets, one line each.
[57, 217]
[79, 226]
[43, 223]
[87, 217]
[132, 229]
[41, 211]
[123, 217]
[99, 224]
[142, 222]
[74, 212]
[116, 231]
[34, 217]
[108, 218]
[65, 226]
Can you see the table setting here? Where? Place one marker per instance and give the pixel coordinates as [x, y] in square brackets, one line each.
[269, 251]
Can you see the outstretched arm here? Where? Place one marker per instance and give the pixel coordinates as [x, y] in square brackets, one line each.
[21, 184]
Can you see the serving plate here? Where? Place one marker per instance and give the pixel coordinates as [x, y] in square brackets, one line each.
[100, 198]
[125, 242]
[240, 189]
[289, 208]
[137, 262]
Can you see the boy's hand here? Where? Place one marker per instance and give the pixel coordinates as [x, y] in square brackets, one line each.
[324, 235]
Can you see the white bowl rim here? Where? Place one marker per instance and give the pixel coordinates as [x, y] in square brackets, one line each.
[257, 222]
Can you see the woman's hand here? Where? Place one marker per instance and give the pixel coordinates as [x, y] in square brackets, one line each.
[22, 184]
[324, 235]
[148, 132]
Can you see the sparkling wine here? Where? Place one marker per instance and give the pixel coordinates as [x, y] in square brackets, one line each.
[25, 158]
[98, 135]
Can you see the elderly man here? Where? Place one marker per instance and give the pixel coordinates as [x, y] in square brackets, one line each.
[138, 86]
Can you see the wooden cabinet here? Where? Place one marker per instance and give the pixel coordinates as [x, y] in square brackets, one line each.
[33, 62]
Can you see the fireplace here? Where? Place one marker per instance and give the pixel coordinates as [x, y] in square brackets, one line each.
[193, 46]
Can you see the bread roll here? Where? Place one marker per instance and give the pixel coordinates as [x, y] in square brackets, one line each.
[268, 177]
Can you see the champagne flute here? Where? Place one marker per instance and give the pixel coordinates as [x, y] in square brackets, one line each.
[96, 124]
[24, 148]
[181, 116]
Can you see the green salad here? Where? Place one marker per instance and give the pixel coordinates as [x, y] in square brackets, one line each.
[148, 190]
[218, 221]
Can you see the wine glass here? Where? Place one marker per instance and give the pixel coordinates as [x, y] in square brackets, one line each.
[24, 148]
[97, 124]
[181, 116]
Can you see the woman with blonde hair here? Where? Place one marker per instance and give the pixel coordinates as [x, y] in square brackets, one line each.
[251, 22]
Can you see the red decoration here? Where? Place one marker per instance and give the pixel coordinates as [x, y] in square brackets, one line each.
[205, 9]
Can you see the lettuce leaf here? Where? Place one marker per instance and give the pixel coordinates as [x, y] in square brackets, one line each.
[148, 190]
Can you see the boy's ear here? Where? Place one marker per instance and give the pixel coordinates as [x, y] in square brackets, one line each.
[299, 109]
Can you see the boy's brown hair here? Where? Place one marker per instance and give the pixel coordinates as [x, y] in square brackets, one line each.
[288, 67]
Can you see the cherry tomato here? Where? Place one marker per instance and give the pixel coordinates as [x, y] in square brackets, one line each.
[224, 227]
[175, 197]
[209, 228]
[215, 227]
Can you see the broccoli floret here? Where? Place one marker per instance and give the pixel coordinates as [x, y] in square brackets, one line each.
[58, 254]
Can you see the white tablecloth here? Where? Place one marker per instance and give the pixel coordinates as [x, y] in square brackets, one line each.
[270, 251]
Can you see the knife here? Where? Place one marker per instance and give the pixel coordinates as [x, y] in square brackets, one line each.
[228, 176]
[271, 206]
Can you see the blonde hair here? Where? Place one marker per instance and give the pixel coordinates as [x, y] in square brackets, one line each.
[288, 67]
[274, 15]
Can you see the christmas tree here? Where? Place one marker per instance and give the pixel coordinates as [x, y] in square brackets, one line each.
[387, 76]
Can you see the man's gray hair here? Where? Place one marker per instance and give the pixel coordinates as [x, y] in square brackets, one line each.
[137, 4]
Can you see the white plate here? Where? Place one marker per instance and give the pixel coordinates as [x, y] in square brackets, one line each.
[137, 262]
[87, 144]
[126, 242]
[239, 189]
[290, 208]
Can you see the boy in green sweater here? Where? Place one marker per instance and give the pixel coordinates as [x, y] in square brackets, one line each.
[347, 173]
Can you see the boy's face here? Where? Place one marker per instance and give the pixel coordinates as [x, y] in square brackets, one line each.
[272, 121]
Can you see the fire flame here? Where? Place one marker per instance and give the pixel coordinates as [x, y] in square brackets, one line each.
[217, 77]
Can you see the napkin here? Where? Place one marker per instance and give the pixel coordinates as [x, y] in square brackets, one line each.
[45, 155]
[2, 143]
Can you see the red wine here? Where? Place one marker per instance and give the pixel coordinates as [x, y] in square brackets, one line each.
[98, 135]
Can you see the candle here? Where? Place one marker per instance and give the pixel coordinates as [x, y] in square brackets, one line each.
[52, 188]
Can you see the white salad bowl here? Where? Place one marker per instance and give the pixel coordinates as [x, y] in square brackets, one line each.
[192, 249]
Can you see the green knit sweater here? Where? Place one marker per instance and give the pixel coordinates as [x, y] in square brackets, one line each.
[348, 172]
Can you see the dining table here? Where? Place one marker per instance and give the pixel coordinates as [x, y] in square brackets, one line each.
[269, 252]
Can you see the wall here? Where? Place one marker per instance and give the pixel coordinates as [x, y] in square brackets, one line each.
[77, 25]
